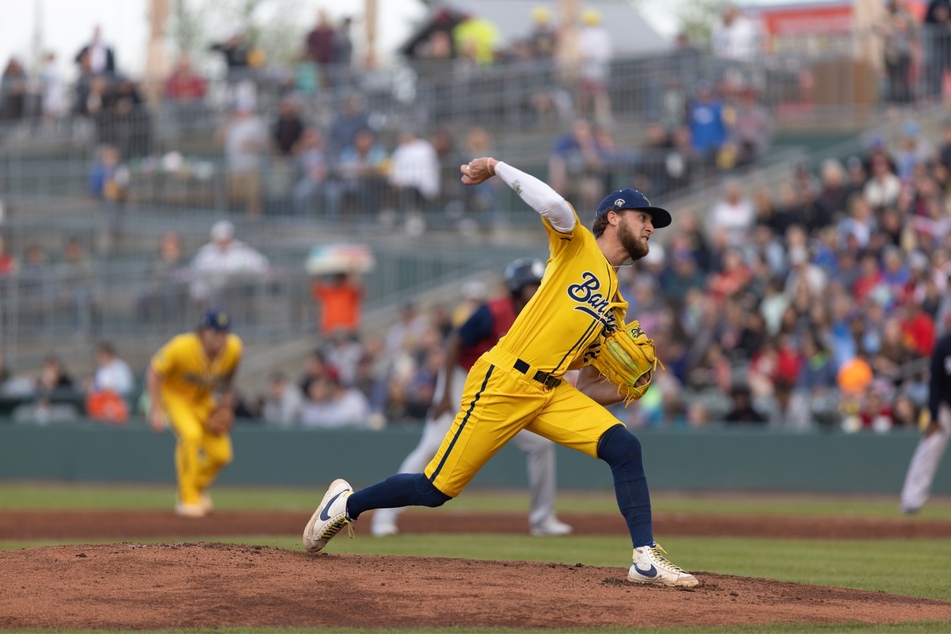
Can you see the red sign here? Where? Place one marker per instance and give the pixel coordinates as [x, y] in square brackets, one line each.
[807, 19]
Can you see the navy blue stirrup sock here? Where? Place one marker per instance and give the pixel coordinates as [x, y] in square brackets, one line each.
[622, 451]
[402, 489]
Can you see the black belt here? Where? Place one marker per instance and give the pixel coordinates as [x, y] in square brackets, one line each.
[548, 380]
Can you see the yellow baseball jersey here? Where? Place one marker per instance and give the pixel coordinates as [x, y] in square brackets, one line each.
[186, 371]
[577, 304]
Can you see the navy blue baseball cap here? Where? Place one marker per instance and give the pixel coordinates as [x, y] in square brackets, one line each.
[632, 199]
[215, 319]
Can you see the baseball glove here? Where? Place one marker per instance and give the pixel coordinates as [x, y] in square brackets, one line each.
[626, 358]
[220, 420]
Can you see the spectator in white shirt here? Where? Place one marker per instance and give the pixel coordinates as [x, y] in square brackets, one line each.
[112, 373]
[245, 139]
[332, 405]
[222, 260]
[737, 37]
[883, 186]
[414, 174]
[733, 213]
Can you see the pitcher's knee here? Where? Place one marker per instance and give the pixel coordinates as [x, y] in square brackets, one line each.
[618, 445]
[428, 495]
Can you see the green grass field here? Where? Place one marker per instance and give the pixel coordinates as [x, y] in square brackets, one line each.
[909, 567]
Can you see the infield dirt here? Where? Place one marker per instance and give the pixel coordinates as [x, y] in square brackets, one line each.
[193, 584]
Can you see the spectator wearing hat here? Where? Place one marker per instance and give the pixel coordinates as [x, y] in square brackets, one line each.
[191, 375]
[475, 39]
[543, 38]
[223, 261]
[596, 52]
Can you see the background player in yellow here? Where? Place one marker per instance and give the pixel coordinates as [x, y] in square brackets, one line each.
[518, 383]
[186, 380]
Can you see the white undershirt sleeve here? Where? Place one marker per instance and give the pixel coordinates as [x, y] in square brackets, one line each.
[539, 196]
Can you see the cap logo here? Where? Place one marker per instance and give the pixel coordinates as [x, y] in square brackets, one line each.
[222, 320]
[619, 202]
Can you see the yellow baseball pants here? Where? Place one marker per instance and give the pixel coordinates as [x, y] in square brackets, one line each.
[199, 455]
[499, 401]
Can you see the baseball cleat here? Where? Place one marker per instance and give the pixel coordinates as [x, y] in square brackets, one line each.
[384, 529]
[329, 518]
[190, 510]
[650, 566]
[551, 526]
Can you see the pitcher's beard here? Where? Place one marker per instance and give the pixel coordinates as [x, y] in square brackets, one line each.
[636, 249]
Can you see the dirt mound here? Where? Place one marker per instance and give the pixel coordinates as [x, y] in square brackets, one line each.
[190, 585]
[198, 585]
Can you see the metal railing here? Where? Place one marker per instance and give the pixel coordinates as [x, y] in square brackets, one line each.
[119, 294]
[837, 74]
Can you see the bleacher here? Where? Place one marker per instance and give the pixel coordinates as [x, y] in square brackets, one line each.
[177, 182]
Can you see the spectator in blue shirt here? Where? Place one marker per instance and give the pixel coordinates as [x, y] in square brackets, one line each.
[708, 129]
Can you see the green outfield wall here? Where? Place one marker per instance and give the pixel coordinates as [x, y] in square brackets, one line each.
[724, 459]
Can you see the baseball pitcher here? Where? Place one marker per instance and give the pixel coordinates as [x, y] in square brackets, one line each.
[576, 320]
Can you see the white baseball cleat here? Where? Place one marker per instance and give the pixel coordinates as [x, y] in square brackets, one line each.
[384, 529]
[329, 518]
[650, 566]
[190, 510]
[551, 526]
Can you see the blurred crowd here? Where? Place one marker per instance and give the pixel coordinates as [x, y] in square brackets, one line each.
[810, 304]
[350, 379]
[814, 303]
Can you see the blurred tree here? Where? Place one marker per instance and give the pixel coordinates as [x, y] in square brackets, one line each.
[276, 27]
[697, 19]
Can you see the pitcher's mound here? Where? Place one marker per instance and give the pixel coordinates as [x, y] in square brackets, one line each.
[202, 585]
